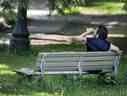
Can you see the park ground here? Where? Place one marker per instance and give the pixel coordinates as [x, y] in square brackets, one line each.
[12, 84]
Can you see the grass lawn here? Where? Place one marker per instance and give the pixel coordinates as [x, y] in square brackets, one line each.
[88, 85]
[102, 7]
[106, 8]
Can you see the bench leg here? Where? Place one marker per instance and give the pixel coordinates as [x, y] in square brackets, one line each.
[107, 78]
[102, 76]
[71, 77]
[28, 78]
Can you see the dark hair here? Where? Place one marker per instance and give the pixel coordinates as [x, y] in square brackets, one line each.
[102, 32]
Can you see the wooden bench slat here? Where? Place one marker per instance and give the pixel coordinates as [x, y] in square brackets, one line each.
[76, 56]
[51, 64]
[107, 53]
[61, 69]
[97, 63]
[62, 72]
[78, 59]
[75, 62]
[96, 67]
[76, 68]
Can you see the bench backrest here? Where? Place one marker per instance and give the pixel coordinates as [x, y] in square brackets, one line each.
[77, 62]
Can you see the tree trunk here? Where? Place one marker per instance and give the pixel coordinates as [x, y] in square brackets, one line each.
[20, 35]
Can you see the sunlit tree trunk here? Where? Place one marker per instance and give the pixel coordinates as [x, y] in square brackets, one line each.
[19, 38]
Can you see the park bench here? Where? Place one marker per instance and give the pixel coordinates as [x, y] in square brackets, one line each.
[73, 63]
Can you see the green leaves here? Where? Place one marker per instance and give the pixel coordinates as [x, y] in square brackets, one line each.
[23, 3]
[61, 5]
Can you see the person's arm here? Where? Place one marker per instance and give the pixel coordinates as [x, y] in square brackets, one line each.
[85, 34]
[62, 38]
[88, 32]
[76, 38]
[82, 36]
[115, 49]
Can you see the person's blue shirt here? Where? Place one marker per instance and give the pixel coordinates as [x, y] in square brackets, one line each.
[96, 44]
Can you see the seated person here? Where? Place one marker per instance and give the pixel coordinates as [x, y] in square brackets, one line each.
[98, 41]
[94, 40]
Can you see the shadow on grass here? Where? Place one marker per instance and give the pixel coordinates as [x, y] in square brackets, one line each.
[51, 85]
[125, 6]
[10, 62]
[13, 84]
[90, 3]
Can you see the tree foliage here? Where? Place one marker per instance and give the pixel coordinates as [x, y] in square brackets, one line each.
[20, 41]
[8, 4]
[61, 5]
[7, 11]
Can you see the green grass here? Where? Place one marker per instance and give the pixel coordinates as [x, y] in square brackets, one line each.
[106, 8]
[12, 85]
[102, 7]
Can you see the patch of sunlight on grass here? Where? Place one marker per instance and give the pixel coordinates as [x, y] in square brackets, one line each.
[46, 94]
[6, 72]
[104, 8]
[3, 66]
[13, 95]
[4, 69]
[71, 10]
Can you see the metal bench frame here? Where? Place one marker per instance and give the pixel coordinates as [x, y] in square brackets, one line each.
[74, 63]
[81, 63]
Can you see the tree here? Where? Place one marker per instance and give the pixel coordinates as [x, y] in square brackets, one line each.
[19, 39]
[61, 5]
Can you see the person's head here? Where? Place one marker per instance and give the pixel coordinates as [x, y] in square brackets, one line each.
[102, 32]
